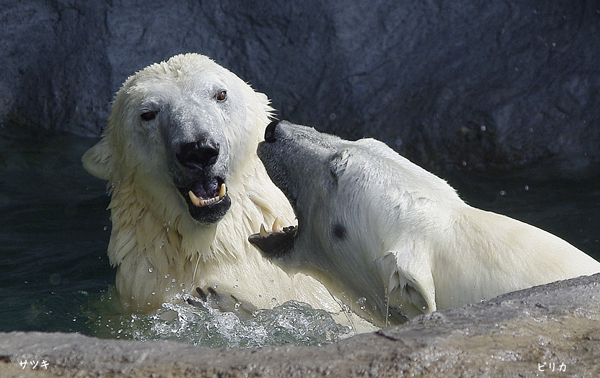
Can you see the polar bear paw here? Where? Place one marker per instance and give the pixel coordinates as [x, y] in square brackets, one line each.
[223, 302]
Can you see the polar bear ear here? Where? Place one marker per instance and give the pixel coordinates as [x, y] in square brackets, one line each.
[97, 160]
[410, 287]
[338, 163]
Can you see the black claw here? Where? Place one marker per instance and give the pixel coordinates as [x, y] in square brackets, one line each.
[202, 294]
[191, 302]
[213, 292]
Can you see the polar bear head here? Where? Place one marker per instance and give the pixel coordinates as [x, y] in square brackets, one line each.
[355, 203]
[176, 123]
[179, 154]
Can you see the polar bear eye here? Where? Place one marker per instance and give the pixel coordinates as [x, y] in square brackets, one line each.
[221, 95]
[339, 231]
[148, 116]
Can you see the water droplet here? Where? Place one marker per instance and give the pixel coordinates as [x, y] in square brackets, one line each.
[166, 276]
[526, 187]
[483, 128]
[150, 270]
[172, 280]
[154, 292]
[503, 192]
[215, 286]
[235, 286]
[361, 302]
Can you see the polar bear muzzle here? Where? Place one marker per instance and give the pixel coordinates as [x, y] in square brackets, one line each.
[205, 193]
[277, 243]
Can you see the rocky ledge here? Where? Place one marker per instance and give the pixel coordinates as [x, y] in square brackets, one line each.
[546, 330]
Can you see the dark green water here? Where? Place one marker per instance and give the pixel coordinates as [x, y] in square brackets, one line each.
[52, 234]
[54, 230]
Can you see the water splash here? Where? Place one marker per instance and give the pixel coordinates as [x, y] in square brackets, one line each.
[199, 324]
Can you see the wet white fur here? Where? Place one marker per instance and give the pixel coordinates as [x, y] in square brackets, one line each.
[158, 249]
[411, 243]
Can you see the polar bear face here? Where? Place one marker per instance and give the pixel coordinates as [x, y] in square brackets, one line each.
[175, 125]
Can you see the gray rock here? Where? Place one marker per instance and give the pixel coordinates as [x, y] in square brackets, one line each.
[482, 84]
[534, 332]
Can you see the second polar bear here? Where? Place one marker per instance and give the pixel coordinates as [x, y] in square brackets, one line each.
[392, 239]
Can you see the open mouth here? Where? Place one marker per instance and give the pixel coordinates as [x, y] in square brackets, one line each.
[275, 243]
[200, 202]
[207, 199]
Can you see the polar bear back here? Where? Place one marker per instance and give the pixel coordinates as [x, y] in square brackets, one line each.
[492, 254]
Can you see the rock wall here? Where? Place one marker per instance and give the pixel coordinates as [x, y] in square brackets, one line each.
[477, 84]
[549, 330]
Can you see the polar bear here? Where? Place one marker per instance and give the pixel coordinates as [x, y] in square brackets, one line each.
[187, 188]
[392, 239]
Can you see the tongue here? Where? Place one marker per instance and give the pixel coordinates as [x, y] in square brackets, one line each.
[207, 194]
[206, 189]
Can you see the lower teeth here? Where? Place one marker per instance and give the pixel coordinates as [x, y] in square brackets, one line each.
[204, 202]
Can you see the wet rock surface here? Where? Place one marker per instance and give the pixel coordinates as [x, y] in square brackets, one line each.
[479, 84]
[550, 329]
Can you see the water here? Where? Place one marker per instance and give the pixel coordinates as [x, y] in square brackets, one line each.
[54, 230]
[289, 323]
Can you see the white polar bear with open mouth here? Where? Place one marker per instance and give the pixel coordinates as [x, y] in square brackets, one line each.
[187, 188]
[392, 239]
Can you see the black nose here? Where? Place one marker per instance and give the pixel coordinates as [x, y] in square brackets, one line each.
[270, 131]
[198, 154]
